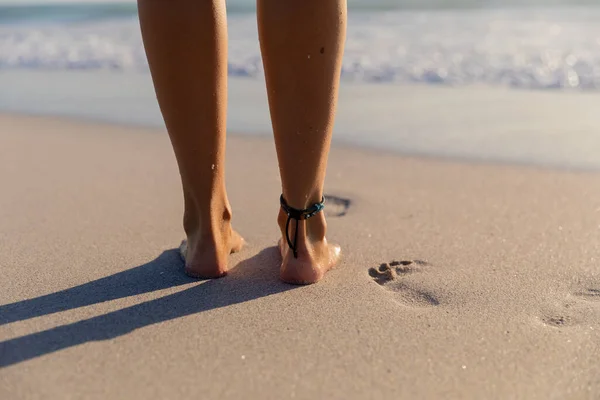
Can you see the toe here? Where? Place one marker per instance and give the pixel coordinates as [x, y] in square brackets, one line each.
[237, 242]
[335, 253]
[183, 250]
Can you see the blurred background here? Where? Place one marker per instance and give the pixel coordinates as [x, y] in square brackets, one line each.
[505, 81]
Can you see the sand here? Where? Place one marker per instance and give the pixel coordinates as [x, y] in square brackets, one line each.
[491, 288]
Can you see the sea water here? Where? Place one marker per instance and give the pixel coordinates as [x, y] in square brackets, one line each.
[444, 43]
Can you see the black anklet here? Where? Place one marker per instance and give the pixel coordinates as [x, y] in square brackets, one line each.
[298, 215]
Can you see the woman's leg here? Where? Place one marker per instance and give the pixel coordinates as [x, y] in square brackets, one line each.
[186, 45]
[302, 45]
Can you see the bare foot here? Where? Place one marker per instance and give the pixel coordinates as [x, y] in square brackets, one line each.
[208, 259]
[315, 255]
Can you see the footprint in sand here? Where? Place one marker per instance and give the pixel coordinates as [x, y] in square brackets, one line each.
[569, 313]
[389, 276]
[336, 206]
[589, 294]
[559, 320]
[579, 309]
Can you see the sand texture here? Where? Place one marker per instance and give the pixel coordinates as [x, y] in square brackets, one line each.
[458, 280]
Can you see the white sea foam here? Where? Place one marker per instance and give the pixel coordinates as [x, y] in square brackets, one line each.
[523, 48]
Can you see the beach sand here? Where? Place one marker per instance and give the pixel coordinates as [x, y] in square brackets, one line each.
[491, 288]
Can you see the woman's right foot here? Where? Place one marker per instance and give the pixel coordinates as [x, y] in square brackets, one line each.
[315, 255]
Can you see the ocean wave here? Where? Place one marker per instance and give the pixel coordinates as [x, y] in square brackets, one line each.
[60, 11]
[529, 49]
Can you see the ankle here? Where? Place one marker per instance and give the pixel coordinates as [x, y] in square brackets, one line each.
[213, 223]
[316, 227]
[303, 201]
[313, 229]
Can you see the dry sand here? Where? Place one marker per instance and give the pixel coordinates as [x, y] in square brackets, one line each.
[94, 304]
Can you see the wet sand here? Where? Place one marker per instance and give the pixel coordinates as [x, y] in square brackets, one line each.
[554, 128]
[459, 280]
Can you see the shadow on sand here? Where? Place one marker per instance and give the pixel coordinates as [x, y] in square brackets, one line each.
[251, 279]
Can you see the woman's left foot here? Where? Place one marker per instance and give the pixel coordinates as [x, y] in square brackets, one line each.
[207, 259]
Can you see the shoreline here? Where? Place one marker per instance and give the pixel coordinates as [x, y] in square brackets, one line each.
[337, 144]
[486, 124]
